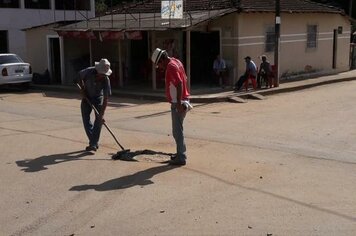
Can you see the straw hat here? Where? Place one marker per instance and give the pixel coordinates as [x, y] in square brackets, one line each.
[103, 67]
[156, 55]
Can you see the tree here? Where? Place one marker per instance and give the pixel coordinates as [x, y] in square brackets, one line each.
[103, 5]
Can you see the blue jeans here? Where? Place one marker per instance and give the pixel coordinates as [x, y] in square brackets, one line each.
[177, 130]
[92, 130]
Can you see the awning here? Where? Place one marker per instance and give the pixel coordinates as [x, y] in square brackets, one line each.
[101, 35]
[77, 34]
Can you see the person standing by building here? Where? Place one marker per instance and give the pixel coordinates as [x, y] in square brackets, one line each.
[95, 89]
[264, 73]
[177, 95]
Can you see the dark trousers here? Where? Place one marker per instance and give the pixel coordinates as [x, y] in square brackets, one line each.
[177, 130]
[92, 129]
[219, 78]
[262, 77]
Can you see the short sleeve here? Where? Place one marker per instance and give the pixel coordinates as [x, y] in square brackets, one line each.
[107, 87]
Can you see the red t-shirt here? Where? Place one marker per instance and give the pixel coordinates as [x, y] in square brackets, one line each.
[174, 73]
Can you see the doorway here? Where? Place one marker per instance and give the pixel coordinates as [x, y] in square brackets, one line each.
[204, 48]
[140, 63]
[54, 60]
[4, 47]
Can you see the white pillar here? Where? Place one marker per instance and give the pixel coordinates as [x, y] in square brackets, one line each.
[63, 69]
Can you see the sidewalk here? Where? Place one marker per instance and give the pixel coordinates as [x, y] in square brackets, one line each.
[210, 95]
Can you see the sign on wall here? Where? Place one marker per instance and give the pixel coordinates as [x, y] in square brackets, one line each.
[172, 9]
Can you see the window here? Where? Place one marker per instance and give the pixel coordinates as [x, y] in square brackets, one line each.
[312, 36]
[82, 5]
[37, 4]
[3, 41]
[270, 39]
[9, 3]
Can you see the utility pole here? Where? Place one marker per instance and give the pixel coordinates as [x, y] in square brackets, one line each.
[277, 32]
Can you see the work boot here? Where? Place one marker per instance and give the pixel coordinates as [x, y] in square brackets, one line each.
[91, 148]
[177, 162]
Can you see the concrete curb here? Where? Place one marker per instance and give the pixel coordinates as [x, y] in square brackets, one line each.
[226, 96]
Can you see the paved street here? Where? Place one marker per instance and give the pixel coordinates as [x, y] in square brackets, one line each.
[285, 165]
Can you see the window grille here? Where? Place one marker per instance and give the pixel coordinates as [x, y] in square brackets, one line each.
[270, 39]
[312, 36]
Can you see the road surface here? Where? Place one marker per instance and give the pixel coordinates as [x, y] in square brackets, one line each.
[285, 165]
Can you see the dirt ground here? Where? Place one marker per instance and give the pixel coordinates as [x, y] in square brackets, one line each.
[285, 165]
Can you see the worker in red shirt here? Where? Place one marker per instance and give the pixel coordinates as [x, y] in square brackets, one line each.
[178, 95]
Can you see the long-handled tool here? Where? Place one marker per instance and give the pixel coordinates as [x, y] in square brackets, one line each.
[123, 150]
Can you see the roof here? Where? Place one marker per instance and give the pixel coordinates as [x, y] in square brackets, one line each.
[146, 14]
[52, 24]
[150, 6]
[290, 6]
[146, 21]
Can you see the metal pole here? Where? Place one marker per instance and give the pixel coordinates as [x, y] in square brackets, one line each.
[350, 8]
[188, 54]
[121, 70]
[335, 48]
[90, 52]
[277, 42]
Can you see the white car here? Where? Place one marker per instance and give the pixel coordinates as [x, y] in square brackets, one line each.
[13, 70]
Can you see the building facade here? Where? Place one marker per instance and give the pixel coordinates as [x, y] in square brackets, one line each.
[16, 15]
[314, 38]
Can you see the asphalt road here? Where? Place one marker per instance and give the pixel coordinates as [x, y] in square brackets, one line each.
[281, 166]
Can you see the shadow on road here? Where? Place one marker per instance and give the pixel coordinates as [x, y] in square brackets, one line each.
[140, 178]
[148, 155]
[41, 163]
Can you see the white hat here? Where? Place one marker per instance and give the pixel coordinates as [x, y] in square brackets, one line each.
[103, 67]
[156, 55]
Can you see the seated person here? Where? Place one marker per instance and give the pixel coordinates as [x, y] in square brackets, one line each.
[250, 73]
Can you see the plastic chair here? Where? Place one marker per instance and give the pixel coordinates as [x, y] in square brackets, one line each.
[253, 82]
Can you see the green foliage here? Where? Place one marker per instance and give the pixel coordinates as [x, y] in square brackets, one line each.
[103, 5]
[100, 6]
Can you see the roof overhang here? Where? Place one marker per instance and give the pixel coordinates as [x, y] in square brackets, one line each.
[145, 21]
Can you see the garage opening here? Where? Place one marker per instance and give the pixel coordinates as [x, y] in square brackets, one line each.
[3, 42]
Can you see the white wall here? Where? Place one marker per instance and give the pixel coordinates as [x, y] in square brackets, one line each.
[16, 19]
[249, 39]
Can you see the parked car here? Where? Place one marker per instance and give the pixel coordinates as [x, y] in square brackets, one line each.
[13, 70]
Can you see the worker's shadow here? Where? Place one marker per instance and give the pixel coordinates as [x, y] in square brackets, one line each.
[41, 163]
[140, 178]
[127, 155]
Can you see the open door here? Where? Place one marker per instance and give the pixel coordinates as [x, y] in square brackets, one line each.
[4, 47]
[204, 48]
[54, 60]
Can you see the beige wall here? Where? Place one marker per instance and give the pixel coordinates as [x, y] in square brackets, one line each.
[244, 34]
[227, 27]
[36, 44]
